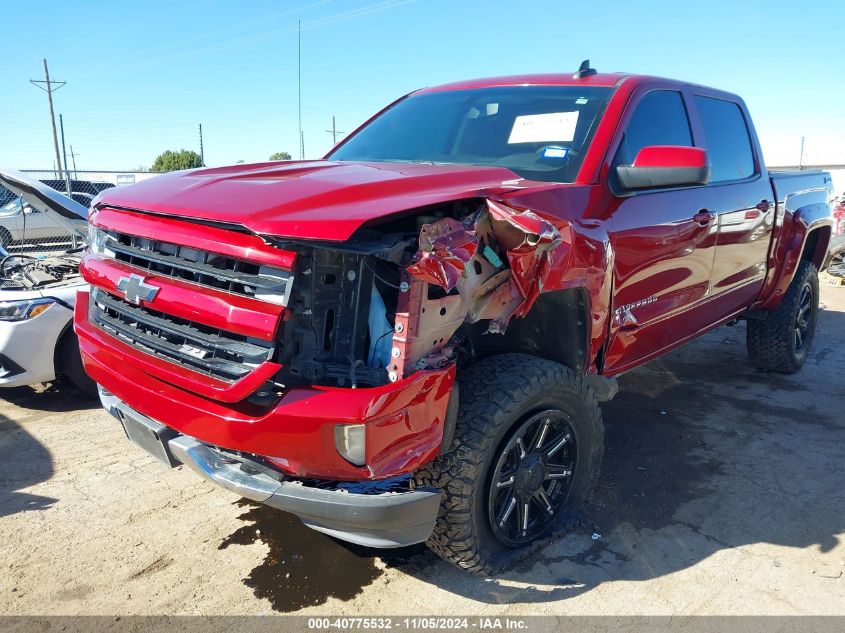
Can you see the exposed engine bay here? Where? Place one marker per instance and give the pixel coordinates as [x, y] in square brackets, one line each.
[413, 293]
[25, 272]
[44, 264]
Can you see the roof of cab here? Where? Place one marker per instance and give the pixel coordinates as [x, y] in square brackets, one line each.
[607, 80]
[604, 80]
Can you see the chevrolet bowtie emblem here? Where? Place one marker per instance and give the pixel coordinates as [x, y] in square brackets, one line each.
[134, 289]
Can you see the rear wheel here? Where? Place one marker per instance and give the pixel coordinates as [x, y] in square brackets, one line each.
[526, 454]
[5, 238]
[782, 342]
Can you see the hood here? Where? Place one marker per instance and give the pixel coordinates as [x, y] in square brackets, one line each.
[65, 292]
[42, 196]
[324, 200]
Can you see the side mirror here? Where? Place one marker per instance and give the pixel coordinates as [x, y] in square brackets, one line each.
[659, 166]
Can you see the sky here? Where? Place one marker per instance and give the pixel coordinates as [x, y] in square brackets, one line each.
[142, 75]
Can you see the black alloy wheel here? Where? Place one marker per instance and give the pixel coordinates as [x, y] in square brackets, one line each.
[803, 317]
[532, 478]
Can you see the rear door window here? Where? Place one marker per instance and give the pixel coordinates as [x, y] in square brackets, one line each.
[728, 142]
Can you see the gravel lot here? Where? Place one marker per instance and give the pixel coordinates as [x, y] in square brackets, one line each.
[723, 492]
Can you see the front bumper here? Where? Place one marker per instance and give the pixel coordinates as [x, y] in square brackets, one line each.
[27, 348]
[387, 519]
[404, 420]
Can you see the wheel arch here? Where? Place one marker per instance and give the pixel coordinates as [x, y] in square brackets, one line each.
[808, 240]
[58, 364]
[816, 245]
[557, 328]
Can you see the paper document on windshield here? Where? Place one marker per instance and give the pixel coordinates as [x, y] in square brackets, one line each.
[544, 128]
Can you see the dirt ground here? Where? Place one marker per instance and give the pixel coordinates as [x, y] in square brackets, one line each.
[723, 492]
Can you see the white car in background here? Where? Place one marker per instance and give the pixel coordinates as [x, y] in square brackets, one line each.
[38, 291]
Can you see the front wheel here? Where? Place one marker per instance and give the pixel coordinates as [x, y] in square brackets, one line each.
[782, 342]
[69, 361]
[524, 460]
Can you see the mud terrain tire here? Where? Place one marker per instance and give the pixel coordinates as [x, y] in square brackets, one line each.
[499, 397]
[773, 344]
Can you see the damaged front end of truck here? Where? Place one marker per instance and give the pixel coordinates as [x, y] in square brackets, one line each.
[337, 381]
[409, 294]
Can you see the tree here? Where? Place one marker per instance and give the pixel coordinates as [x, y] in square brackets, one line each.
[280, 156]
[173, 161]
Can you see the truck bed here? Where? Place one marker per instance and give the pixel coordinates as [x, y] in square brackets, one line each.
[793, 182]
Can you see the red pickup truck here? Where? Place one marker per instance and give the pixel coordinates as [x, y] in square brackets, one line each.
[408, 340]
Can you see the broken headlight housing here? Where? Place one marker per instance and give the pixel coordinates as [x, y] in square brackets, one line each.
[23, 310]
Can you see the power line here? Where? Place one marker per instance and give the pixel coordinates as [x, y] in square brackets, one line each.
[260, 37]
[49, 89]
[263, 20]
[316, 22]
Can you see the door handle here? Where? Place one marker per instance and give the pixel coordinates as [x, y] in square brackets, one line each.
[763, 205]
[703, 217]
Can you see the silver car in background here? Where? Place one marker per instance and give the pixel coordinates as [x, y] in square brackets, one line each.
[44, 233]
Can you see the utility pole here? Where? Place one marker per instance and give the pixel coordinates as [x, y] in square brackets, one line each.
[64, 153]
[73, 156]
[202, 152]
[801, 155]
[50, 87]
[299, 85]
[334, 132]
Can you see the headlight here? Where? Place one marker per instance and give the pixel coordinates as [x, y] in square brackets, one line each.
[22, 310]
[274, 286]
[98, 241]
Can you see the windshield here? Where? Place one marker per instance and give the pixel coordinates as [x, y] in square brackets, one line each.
[538, 132]
[11, 206]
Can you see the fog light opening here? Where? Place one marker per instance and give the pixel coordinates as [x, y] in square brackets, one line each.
[349, 440]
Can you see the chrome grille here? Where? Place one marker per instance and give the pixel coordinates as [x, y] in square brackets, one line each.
[214, 352]
[205, 268]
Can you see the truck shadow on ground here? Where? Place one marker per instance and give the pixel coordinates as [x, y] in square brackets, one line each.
[55, 397]
[704, 453]
[24, 461]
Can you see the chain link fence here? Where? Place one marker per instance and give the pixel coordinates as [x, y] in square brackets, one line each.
[33, 230]
[42, 229]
